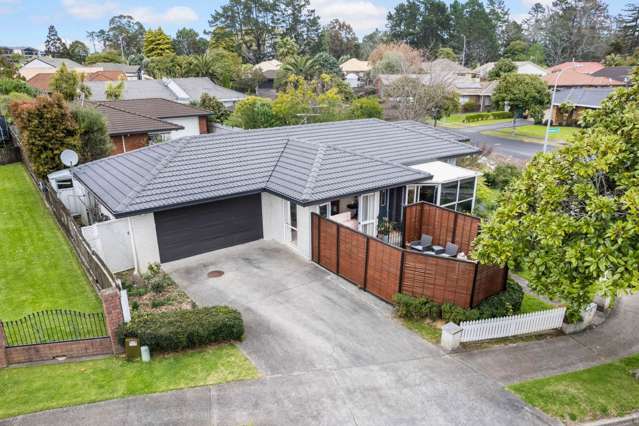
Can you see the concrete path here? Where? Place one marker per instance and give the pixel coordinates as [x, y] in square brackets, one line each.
[615, 338]
[329, 354]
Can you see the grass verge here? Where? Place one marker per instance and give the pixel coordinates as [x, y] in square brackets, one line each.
[457, 121]
[39, 269]
[424, 328]
[532, 304]
[607, 390]
[533, 133]
[29, 389]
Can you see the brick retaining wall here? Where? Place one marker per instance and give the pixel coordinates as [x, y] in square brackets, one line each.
[49, 351]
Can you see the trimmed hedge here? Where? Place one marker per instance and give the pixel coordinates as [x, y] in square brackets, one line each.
[172, 331]
[481, 116]
[506, 303]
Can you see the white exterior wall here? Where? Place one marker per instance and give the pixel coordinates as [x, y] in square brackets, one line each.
[145, 240]
[191, 126]
[274, 215]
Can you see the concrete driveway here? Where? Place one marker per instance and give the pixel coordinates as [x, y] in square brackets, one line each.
[329, 353]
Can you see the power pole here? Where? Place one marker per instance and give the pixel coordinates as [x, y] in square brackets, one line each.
[464, 52]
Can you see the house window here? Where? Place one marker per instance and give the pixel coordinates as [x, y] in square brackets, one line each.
[458, 195]
[291, 222]
[428, 193]
[64, 183]
[449, 193]
[382, 197]
[325, 210]
[158, 138]
[367, 214]
[411, 194]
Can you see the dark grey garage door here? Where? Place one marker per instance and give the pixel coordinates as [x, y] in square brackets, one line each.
[188, 231]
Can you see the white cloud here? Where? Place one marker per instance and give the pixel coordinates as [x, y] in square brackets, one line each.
[89, 9]
[363, 15]
[173, 15]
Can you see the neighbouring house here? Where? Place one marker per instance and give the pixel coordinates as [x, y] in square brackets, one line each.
[46, 64]
[132, 72]
[355, 72]
[572, 78]
[202, 193]
[468, 90]
[523, 67]
[269, 71]
[616, 73]
[136, 123]
[182, 90]
[42, 81]
[446, 67]
[582, 67]
[571, 103]
[19, 50]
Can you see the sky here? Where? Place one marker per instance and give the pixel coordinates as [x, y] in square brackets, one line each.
[25, 22]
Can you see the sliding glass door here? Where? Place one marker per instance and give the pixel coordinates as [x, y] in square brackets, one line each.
[368, 210]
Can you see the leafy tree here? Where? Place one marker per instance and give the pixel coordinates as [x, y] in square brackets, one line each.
[500, 16]
[114, 92]
[157, 43]
[46, 128]
[472, 20]
[370, 42]
[68, 83]
[447, 53]
[502, 67]
[368, 107]
[572, 219]
[124, 34]
[327, 64]
[303, 66]
[170, 65]
[626, 37]
[78, 51]
[253, 24]
[409, 57]
[424, 24]
[415, 100]
[7, 100]
[521, 92]
[221, 38]
[513, 31]
[217, 108]
[54, 46]
[536, 54]
[339, 39]
[304, 101]
[187, 41]
[106, 56]
[300, 23]
[517, 50]
[94, 140]
[10, 85]
[8, 69]
[286, 48]
[253, 113]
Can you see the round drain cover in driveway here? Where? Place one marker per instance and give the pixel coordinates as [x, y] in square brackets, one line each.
[215, 274]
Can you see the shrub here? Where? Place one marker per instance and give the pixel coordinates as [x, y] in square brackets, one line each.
[480, 116]
[9, 85]
[506, 303]
[498, 115]
[470, 106]
[501, 176]
[156, 279]
[368, 107]
[171, 331]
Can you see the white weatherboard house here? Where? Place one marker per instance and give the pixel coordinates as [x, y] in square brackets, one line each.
[202, 193]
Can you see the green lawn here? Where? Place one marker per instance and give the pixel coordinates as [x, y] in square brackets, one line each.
[38, 268]
[425, 329]
[457, 121]
[533, 133]
[532, 304]
[608, 390]
[29, 389]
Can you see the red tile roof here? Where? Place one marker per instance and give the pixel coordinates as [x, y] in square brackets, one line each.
[41, 81]
[582, 67]
[572, 78]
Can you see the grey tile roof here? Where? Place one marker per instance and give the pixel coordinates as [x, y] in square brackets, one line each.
[196, 86]
[616, 73]
[590, 97]
[123, 122]
[133, 89]
[157, 108]
[307, 164]
[57, 62]
[114, 66]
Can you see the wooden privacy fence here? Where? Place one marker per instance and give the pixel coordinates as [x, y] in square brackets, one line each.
[99, 274]
[495, 328]
[384, 270]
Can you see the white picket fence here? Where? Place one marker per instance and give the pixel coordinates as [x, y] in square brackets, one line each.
[515, 325]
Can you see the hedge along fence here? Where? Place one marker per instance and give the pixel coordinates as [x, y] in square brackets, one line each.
[385, 270]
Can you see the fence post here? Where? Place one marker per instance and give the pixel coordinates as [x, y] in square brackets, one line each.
[3, 354]
[451, 336]
[113, 315]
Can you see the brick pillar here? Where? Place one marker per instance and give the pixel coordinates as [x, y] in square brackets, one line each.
[114, 316]
[3, 355]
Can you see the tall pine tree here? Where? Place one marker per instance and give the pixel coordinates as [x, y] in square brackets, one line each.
[54, 46]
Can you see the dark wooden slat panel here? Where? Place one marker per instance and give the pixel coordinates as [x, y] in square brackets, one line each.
[383, 269]
[352, 255]
[328, 244]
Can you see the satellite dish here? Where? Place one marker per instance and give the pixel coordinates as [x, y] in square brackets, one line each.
[69, 158]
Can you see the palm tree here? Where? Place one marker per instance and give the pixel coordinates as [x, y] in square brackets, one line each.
[303, 66]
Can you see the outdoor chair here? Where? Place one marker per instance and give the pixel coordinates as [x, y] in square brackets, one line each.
[451, 250]
[424, 244]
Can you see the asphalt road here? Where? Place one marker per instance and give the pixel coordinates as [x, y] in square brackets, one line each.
[507, 147]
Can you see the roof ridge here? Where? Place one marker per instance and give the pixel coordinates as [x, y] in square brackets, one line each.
[424, 133]
[156, 170]
[279, 157]
[312, 175]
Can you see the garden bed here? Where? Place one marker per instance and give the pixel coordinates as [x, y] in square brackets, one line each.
[154, 291]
